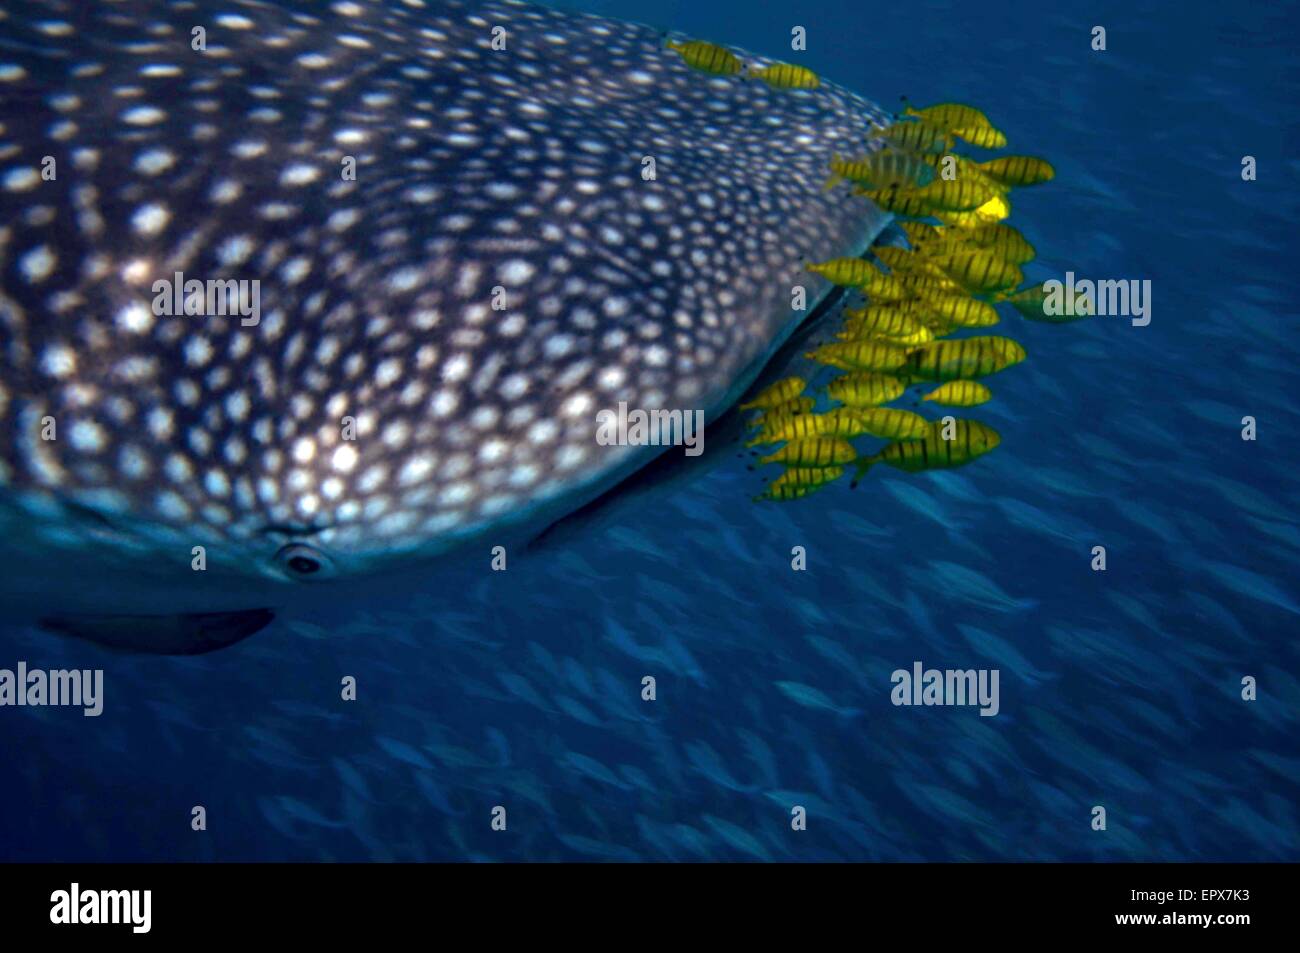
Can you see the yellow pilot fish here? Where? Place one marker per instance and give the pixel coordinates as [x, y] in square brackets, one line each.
[783, 412]
[980, 271]
[840, 422]
[957, 310]
[890, 320]
[902, 259]
[807, 476]
[813, 452]
[881, 170]
[1002, 240]
[970, 439]
[847, 272]
[1014, 171]
[786, 76]
[788, 491]
[960, 394]
[860, 355]
[865, 389]
[994, 210]
[780, 392]
[916, 136]
[707, 57]
[892, 424]
[951, 116]
[1031, 302]
[966, 358]
[984, 137]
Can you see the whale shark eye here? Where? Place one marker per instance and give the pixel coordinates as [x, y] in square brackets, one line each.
[303, 562]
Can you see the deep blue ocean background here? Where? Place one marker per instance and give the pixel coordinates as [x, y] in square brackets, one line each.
[1120, 689]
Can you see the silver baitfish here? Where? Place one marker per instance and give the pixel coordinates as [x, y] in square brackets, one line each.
[333, 289]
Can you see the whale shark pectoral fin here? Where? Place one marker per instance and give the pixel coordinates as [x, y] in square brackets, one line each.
[189, 634]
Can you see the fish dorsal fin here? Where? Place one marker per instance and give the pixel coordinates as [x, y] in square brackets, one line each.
[187, 634]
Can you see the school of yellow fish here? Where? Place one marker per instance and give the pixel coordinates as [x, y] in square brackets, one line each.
[961, 261]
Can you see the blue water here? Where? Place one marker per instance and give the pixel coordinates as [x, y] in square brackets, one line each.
[1119, 689]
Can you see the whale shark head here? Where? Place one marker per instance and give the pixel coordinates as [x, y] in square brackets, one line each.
[323, 290]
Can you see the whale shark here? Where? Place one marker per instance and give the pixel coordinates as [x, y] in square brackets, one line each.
[443, 236]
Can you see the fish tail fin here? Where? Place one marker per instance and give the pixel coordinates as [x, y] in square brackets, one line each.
[835, 177]
[861, 466]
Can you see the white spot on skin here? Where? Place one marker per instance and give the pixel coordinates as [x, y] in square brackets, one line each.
[135, 318]
[21, 179]
[457, 368]
[198, 351]
[515, 272]
[150, 219]
[59, 360]
[37, 264]
[344, 459]
[216, 483]
[143, 116]
[87, 436]
[154, 161]
[233, 21]
[299, 174]
[415, 470]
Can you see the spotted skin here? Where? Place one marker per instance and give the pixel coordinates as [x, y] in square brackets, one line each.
[482, 176]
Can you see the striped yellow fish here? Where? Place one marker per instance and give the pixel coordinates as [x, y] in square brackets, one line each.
[707, 57]
[960, 394]
[892, 424]
[780, 392]
[957, 310]
[840, 422]
[916, 136]
[847, 272]
[951, 116]
[922, 335]
[980, 271]
[971, 439]
[1032, 303]
[884, 319]
[865, 389]
[860, 355]
[807, 476]
[920, 234]
[1014, 171]
[1002, 240]
[813, 452]
[984, 137]
[786, 76]
[921, 284]
[781, 412]
[994, 210]
[903, 259]
[963, 359]
[882, 170]
[787, 492]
